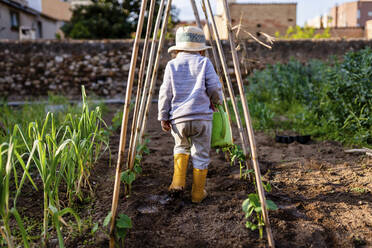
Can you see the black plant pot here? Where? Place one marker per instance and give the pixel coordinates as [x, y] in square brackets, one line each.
[289, 139]
[303, 139]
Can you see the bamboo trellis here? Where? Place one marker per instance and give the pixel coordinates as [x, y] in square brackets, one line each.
[145, 91]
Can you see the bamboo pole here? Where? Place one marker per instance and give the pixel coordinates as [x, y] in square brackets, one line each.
[197, 19]
[248, 123]
[228, 80]
[155, 71]
[141, 77]
[146, 85]
[196, 14]
[218, 66]
[124, 124]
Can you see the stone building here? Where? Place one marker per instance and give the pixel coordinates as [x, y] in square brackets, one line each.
[19, 21]
[351, 14]
[257, 17]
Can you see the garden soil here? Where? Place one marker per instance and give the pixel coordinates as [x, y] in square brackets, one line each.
[323, 194]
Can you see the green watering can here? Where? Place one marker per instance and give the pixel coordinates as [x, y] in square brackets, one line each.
[221, 133]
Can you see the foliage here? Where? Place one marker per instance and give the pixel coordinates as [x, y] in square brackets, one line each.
[303, 33]
[60, 151]
[122, 224]
[108, 19]
[236, 156]
[252, 205]
[128, 176]
[327, 100]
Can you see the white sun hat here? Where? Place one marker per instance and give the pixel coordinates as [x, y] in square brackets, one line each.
[189, 38]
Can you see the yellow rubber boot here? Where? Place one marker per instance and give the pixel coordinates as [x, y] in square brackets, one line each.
[198, 192]
[179, 174]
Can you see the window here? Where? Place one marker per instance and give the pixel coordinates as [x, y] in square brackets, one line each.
[358, 14]
[39, 29]
[369, 13]
[290, 20]
[258, 25]
[14, 20]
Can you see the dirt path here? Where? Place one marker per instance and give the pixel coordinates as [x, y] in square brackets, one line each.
[324, 198]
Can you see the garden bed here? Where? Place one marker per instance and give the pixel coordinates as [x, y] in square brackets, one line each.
[323, 194]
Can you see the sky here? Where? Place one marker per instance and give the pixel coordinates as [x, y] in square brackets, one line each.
[306, 9]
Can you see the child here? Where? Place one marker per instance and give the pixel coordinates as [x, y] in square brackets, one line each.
[189, 90]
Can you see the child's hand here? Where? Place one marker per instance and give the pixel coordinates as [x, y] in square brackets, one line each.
[213, 107]
[166, 126]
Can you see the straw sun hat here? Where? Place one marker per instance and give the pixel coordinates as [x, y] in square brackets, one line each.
[189, 38]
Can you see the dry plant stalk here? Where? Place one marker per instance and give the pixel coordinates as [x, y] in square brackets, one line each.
[227, 77]
[248, 126]
[140, 78]
[215, 58]
[124, 124]
[146, 85]
[155, 71]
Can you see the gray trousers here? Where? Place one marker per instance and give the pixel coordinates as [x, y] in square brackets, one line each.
[194, 138]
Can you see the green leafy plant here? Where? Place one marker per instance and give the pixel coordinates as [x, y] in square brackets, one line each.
[61, 153]
[253, 212]
[7, 166]
[122, 224]
[128, 176]
[328, 100]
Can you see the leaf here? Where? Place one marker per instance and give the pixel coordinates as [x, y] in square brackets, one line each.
[271, 205]
[250, 225]
[95, 228]
[124, 221]
[254, 199]
[245, 205]
[137, 169]
[107, 219]
[128, 176]
[258, 209]
[121, 232]
[267, 186]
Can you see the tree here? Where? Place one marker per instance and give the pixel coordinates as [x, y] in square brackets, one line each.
[108, 19]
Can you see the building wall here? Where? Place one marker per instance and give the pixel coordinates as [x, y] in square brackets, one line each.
[5, 31]
[365, 8]
[49, 27]
[57, 9]
[255, 18]
[347, 15]
[344, 33]
[368, 29]
[352, 14]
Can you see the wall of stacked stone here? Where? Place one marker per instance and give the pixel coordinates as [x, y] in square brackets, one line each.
[34, 68]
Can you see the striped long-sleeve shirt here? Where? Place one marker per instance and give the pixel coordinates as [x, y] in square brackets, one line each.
[190, 85]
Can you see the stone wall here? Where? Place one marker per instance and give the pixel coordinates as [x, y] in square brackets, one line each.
[345, 33]
[36, 68]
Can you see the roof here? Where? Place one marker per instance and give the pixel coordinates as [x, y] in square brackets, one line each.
[25, 9]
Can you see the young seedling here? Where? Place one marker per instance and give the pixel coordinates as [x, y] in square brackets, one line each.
[128, 176]
[122, 224]
[252, 206]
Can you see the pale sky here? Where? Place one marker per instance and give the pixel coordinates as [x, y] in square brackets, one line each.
[306, 9]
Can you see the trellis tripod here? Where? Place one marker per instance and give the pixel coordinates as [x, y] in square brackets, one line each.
[145, 90]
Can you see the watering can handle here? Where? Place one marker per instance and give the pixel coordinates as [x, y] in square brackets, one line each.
[223, 118]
